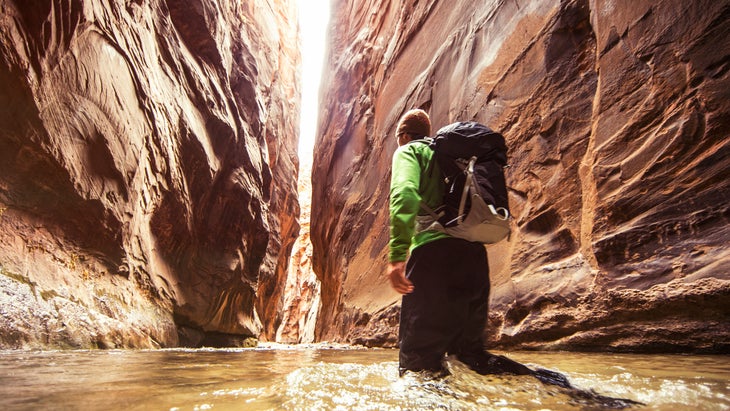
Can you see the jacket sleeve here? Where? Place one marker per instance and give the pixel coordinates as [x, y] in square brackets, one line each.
[404, 201]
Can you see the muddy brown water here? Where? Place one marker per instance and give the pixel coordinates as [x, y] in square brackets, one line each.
[322, 377]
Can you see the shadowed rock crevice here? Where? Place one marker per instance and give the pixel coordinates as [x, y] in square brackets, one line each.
[197, 23]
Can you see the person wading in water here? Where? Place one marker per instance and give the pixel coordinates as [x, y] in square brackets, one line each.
[445, 283]
[444, 280]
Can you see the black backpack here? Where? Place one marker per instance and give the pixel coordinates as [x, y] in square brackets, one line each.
[472, 159]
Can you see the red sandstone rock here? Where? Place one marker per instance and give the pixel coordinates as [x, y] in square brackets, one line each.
[617, 118]
[302, 290]
[147, 150]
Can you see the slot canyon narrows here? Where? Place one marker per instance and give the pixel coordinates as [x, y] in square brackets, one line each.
[149, 169]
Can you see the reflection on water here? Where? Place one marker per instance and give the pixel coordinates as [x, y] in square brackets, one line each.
[321, 378]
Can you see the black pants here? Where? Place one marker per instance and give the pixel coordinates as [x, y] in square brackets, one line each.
[447, 310]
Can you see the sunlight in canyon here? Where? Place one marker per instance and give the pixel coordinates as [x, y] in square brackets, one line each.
[313, 20]
[302, 290]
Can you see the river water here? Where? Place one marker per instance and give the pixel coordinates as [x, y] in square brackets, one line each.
[323, 377]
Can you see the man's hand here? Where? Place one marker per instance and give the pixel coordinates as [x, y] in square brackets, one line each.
[397, 276]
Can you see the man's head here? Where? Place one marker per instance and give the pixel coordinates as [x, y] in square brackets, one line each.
[413, 125]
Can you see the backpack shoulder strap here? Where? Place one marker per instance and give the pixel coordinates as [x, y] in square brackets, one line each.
[430, 211]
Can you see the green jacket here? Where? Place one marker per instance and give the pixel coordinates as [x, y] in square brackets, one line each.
[415, 178]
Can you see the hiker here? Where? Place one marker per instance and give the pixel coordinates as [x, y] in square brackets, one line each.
[445, 282]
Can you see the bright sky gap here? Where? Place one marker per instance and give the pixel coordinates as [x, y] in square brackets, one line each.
[313, 21]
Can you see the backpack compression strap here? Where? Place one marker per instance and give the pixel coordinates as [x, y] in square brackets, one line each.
[468, 184]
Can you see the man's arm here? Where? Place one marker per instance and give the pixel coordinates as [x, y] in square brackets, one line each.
[404, 205]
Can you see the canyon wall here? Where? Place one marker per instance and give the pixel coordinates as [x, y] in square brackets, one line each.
[147, 170]
[302, 290]
[617, 119]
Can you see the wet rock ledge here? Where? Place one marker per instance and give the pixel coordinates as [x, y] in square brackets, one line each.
[147, 149]
[617, 117]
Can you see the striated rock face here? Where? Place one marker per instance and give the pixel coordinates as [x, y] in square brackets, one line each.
[617, 117]
[303, 289]
[147, 150]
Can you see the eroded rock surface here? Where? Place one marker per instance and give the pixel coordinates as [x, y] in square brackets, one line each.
[617, 117]
[147, 170]
[303, 289]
